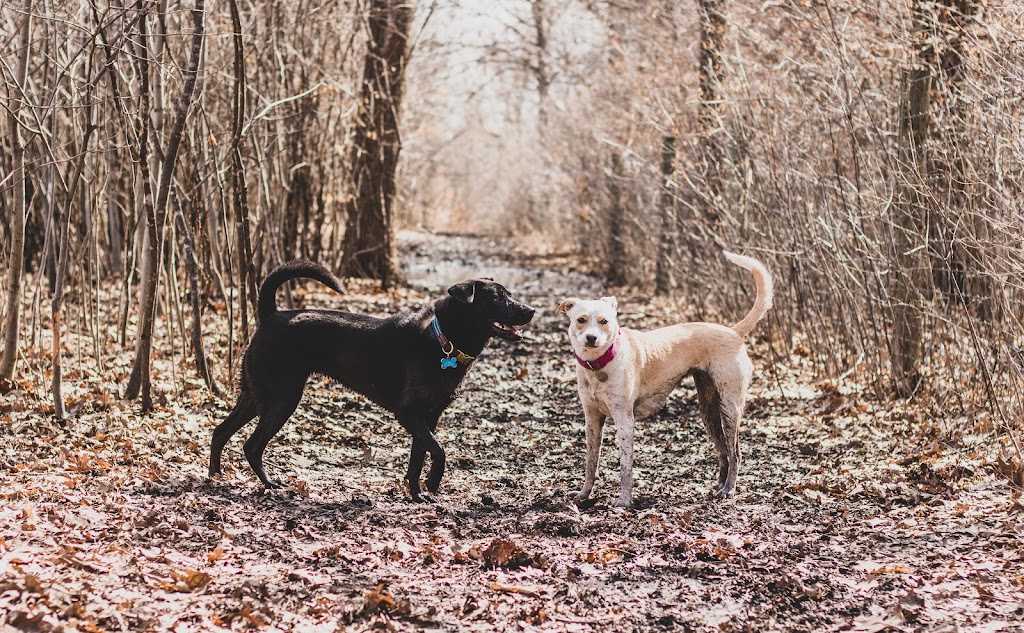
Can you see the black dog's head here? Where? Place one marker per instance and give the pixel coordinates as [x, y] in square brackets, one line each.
[484, 304]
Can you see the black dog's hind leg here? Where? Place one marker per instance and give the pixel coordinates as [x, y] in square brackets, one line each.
[423, 442]
[272, 418]
[244, 411]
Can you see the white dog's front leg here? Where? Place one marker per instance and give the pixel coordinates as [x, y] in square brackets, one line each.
[595, 424]
[624, 437]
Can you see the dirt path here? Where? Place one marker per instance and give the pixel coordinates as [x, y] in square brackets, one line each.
[844, 519]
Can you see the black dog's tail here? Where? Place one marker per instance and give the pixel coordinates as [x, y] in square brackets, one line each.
[293, 270]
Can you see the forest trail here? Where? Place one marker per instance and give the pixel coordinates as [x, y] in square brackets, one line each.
[849, 515]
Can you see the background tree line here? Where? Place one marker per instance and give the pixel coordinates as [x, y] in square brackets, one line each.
[176, 151]
[162, 156]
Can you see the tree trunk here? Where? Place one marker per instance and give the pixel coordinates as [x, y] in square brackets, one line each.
[539, 67]
[147, 221]
[139, 382]
[63, 255]
[616, 274]
[954, 234]
[19, 211]
[664, 281]
[202, 367]
[369, 247]
[239, 192]
[712, 103]
[908, 220]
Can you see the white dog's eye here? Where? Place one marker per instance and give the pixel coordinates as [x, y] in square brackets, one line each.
[603, 321]
[581, 320]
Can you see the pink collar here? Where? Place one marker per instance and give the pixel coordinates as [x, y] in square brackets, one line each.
[599, 363]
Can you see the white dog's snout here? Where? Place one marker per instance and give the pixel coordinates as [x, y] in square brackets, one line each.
[592, 337]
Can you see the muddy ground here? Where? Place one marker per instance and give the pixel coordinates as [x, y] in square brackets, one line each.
[851, 514]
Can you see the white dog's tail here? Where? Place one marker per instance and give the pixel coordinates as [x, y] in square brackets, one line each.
[765, 290]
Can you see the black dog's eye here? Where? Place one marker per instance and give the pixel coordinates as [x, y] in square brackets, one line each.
[581, 320]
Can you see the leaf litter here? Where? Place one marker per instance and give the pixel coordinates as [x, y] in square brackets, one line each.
[851, 514]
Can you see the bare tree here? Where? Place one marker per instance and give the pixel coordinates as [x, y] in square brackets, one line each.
[712, 101]
[17, 95]
[202, 367]
[539, 67]
[369, 248]
[664, 279]
[618, 235]
[239, 191]
[952, 237]
[140, 380]
[64, 254]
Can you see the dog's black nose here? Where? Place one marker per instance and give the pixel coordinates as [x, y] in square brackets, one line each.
[591, 339]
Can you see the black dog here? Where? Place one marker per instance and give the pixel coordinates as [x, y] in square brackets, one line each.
[410, 364]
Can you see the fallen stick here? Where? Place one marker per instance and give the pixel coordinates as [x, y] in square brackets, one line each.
[509, 589]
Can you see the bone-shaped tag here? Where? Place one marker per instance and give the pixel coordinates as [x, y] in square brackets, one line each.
[449, 363]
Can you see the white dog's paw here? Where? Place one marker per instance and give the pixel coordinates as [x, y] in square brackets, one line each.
[623, 502]
[579, 495]
[720, 492]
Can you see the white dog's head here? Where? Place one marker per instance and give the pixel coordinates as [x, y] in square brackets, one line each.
[593, 325]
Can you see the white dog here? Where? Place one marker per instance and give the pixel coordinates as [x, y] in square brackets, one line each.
[627, 375]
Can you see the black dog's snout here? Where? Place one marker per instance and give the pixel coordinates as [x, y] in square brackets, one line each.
[523, 313]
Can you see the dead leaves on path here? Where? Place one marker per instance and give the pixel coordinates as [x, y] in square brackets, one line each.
[847, 518]
[506, 554]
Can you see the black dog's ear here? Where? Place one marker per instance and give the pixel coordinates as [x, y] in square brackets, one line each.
[463, 291]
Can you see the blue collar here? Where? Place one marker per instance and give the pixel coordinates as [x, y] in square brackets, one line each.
[448, 362]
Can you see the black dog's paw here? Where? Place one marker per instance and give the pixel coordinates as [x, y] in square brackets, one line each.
[419, 497]
[433, 485]
[273, 484]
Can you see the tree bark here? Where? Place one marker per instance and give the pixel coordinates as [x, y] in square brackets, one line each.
[369, 247]
[239, 193]
[954, 235]
[541, 75]
[616, 274]
[712, 103]
[908, 221]
[664, 281]
[139, 382]
[63, 255]
[202, 367]
[19, 212]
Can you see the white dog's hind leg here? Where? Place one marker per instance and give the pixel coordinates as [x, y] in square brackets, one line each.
[595, 425]
[624, 423]
[722, 429]
[731, 412]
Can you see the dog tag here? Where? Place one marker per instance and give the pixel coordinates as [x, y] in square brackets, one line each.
[449, 363]
[602, 376]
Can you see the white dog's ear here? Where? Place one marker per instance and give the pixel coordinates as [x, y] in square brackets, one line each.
[565, 306]
[612, 300]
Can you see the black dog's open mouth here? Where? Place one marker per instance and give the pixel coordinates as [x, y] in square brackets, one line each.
[507, 332]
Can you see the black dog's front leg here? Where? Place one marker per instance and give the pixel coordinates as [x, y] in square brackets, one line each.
[436, 463]
[423, 442]
[412, 475]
